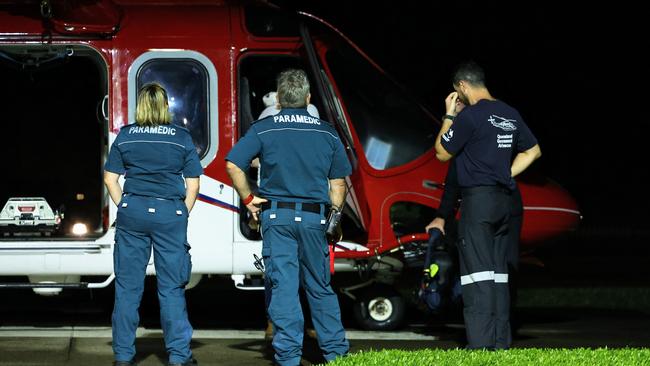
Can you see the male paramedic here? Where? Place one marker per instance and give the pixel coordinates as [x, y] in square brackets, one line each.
[304, 166]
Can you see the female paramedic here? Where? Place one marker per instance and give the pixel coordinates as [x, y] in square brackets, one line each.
[161, 169]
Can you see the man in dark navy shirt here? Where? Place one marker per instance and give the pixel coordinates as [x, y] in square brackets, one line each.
[483, 138]
[304, 166]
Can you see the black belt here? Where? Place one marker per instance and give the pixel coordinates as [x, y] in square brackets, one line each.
[485, 189]
[309, 207]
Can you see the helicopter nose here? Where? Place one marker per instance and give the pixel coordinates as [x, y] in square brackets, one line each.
[549, 211]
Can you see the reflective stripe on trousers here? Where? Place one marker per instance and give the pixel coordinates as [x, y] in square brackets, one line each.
[483, 248]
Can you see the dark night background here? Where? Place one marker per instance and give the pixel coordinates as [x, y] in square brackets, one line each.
[571, 70]
[575, 73]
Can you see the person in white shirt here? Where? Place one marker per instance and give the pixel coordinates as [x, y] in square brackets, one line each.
[270, 100]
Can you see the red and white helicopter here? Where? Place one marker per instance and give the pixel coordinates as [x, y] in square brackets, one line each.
[69, 72]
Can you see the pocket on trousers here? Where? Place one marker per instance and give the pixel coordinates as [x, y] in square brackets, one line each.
[460, 240]
[268, 265]
[180, 206]
[269, 219]
[315, 226]
[116, 257]
[186, 272]
[327, 276]
[123, 204]
[317, 229]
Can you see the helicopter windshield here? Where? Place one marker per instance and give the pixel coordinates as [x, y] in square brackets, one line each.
[393, 128]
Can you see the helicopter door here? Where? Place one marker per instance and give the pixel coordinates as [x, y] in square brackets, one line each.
[352, 224]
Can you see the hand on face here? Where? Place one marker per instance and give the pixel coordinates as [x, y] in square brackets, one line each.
[451, 103]
[459, 105]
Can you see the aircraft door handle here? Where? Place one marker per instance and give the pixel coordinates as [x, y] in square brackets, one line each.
[429, 184]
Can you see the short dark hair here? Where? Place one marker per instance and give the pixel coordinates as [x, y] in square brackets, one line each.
[470, 72]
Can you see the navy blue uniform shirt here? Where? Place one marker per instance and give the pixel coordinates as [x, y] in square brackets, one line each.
[484, 138]
[155, 160]
[298, 154]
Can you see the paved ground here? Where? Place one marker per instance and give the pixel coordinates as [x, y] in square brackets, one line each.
[76, 346]
[228, 347]
[74, 327]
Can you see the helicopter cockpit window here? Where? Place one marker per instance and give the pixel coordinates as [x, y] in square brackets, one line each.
[186, 82]
[258, 76]
[393, 128]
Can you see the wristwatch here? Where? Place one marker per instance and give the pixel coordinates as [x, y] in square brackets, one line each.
[449, 117]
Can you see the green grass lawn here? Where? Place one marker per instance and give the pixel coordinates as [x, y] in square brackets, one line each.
[513, 357]
[635, 300]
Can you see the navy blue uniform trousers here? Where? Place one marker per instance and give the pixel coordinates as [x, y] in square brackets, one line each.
[143, 223]
[483, 248]
[295, 254]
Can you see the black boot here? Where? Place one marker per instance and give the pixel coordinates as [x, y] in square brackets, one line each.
[191, 362]
[125, 363]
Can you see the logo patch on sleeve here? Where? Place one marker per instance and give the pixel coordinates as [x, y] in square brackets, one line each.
[448, 135]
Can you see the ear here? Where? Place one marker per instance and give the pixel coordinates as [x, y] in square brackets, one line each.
[462, 87]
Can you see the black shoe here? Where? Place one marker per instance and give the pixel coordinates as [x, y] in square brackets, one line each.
[125, 363]
[191, 362]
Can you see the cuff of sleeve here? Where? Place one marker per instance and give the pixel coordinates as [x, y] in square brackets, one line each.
[339, 174]
[442, 215]
[115, 170]
[241, 165]
[447, 148]
[193, 174]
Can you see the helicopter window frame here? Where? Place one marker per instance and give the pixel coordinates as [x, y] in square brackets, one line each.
[293, 61]
[212, 97]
